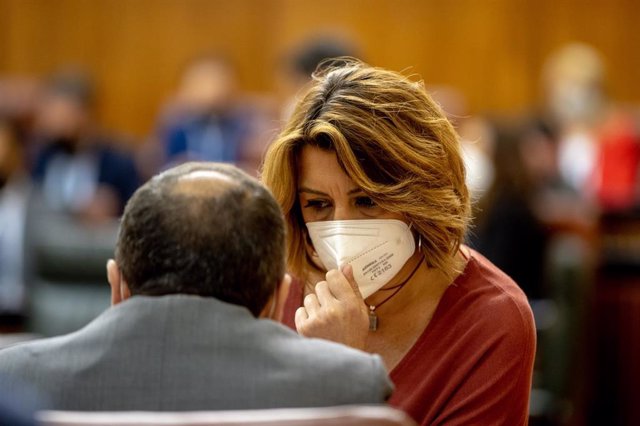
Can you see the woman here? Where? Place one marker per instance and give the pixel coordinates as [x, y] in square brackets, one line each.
[369, 175]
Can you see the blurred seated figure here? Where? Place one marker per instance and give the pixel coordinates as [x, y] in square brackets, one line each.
[78, 168]
[573, 80]
[199, 272]
[507, 229]
[599, 150]
[15, 189]
[18, 98]
[528, 203]
[476, 138]
[539, 229]
[205, 121]
[298, 65]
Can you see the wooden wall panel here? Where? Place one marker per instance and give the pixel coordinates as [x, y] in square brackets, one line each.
[491, 49]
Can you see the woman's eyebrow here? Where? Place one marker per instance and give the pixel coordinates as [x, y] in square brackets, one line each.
[304, 189]
[310, 191]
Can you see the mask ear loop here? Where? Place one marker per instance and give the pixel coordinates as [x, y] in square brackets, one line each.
[419, 238]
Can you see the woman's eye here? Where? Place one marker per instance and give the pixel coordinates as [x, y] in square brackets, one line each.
[317, 204]
[365, 202]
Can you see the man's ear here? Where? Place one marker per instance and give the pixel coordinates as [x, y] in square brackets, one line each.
[275, 307]
[282, 293]
[119, 288]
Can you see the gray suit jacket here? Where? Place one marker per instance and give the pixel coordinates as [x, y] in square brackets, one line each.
[190, 353]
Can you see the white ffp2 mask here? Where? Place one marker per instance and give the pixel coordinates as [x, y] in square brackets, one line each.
[377, 249]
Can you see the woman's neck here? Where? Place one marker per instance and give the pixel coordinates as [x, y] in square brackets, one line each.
[426, 283]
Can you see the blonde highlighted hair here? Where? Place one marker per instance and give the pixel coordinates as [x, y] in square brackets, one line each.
[392, 140]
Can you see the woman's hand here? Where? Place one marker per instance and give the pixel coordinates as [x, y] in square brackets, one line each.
[336, 311]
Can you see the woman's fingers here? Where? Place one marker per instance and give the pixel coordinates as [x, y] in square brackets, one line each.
[334, 312]
[300, 318]
[311, 304]
[347, 271]
[324, 295]
[341, 287]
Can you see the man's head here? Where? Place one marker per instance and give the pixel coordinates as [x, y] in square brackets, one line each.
[204, 229]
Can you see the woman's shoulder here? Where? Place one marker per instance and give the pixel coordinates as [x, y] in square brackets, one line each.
[483, 278]
[486, 295]
[482, 315]
[478, 349]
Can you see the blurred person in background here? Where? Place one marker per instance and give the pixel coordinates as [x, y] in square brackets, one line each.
[370, 176]
[507, 228]
[476, 137]
[573, 78]
[79, 169]
[18, 99]
[300, 63]
[15, 190]
[198, 275]
[539, 230]
[599, 151]
[600, 157]
[205, 120]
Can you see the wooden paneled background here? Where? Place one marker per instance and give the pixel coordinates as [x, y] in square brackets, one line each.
[492, 50]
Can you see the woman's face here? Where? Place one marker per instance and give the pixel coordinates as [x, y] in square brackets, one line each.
[325, 192]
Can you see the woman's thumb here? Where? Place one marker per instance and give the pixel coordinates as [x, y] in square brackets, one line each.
[347, 270]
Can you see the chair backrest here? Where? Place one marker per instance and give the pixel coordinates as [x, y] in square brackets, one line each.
[345, 415]
[65, 269]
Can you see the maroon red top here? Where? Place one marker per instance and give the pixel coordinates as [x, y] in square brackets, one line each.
[474, 361]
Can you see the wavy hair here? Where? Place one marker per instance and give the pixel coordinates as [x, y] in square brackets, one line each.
[392, 140]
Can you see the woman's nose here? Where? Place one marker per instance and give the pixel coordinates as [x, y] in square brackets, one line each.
[342, 213]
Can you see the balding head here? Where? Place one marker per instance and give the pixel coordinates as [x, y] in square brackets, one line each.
[206, 229]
